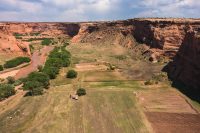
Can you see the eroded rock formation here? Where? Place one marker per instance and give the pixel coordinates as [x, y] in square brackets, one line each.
[9, 43]
[186, 65]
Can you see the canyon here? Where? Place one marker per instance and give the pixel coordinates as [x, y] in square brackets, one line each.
[175, 39]
[139, 75]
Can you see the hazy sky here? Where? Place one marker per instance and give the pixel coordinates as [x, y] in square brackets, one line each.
[90, 10]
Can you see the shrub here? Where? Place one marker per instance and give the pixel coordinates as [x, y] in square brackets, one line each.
[16, 61]
[81, 92]
[10, 80]
[6, 90]
[71, 74]
[1, 68]
[46, 41]
[150, 82]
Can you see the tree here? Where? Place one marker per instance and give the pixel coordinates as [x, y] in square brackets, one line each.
[16, 61]
[81, 92]
[71, 74]
[34, 87]
[51, 71]
[6, 90]
[40, 77]
[54, 62]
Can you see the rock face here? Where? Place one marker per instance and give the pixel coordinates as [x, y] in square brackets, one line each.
[170, 38]
[110, 33]
[186, 65]
[9, 43]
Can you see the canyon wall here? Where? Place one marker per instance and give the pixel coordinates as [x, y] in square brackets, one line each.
[9, 43]
[186, 64]
[177, 39]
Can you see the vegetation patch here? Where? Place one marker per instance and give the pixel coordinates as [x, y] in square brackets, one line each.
[35, 34]
[120, 57]
[46, 41]
[10, 80]
[35, 83]
[81, 92]
[71, 74]
[1, 68]
[6, 90]
[16, 62]
[58, 58]
[156, 78]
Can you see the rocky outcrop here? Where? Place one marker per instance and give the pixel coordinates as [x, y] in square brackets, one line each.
[165, 35]
[186, 66]
[108, 33]
[8, 42]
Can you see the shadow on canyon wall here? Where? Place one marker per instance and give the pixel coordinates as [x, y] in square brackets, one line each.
[184, 70]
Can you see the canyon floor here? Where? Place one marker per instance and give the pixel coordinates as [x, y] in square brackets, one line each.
[117, 101]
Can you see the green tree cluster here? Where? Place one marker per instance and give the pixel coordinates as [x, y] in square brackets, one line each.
[58, 58]
[16, 62]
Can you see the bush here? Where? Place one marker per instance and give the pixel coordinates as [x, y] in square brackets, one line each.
[16, 61]
[1, 68]
[10, 80]
[71, 74]
[47, 41]
[6, 90]
[81, 92]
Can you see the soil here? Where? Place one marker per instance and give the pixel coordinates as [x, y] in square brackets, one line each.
[174, 122]
[164, 100]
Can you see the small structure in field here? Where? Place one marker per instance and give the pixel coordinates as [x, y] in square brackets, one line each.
[75, 97]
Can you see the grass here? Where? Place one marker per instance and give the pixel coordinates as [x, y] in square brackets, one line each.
[109, 106]
[97, 111]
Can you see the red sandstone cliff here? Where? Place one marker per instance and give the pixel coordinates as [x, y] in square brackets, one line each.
[163, 37]
[8, 42]
[186, 65]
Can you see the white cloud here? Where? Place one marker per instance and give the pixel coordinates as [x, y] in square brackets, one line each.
[24, 6]
[168, 8]
[85, 10]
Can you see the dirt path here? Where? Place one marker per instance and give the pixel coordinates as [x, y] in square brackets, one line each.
[38, 58]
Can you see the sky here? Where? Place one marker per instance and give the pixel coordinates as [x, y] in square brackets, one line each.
[95, 10]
